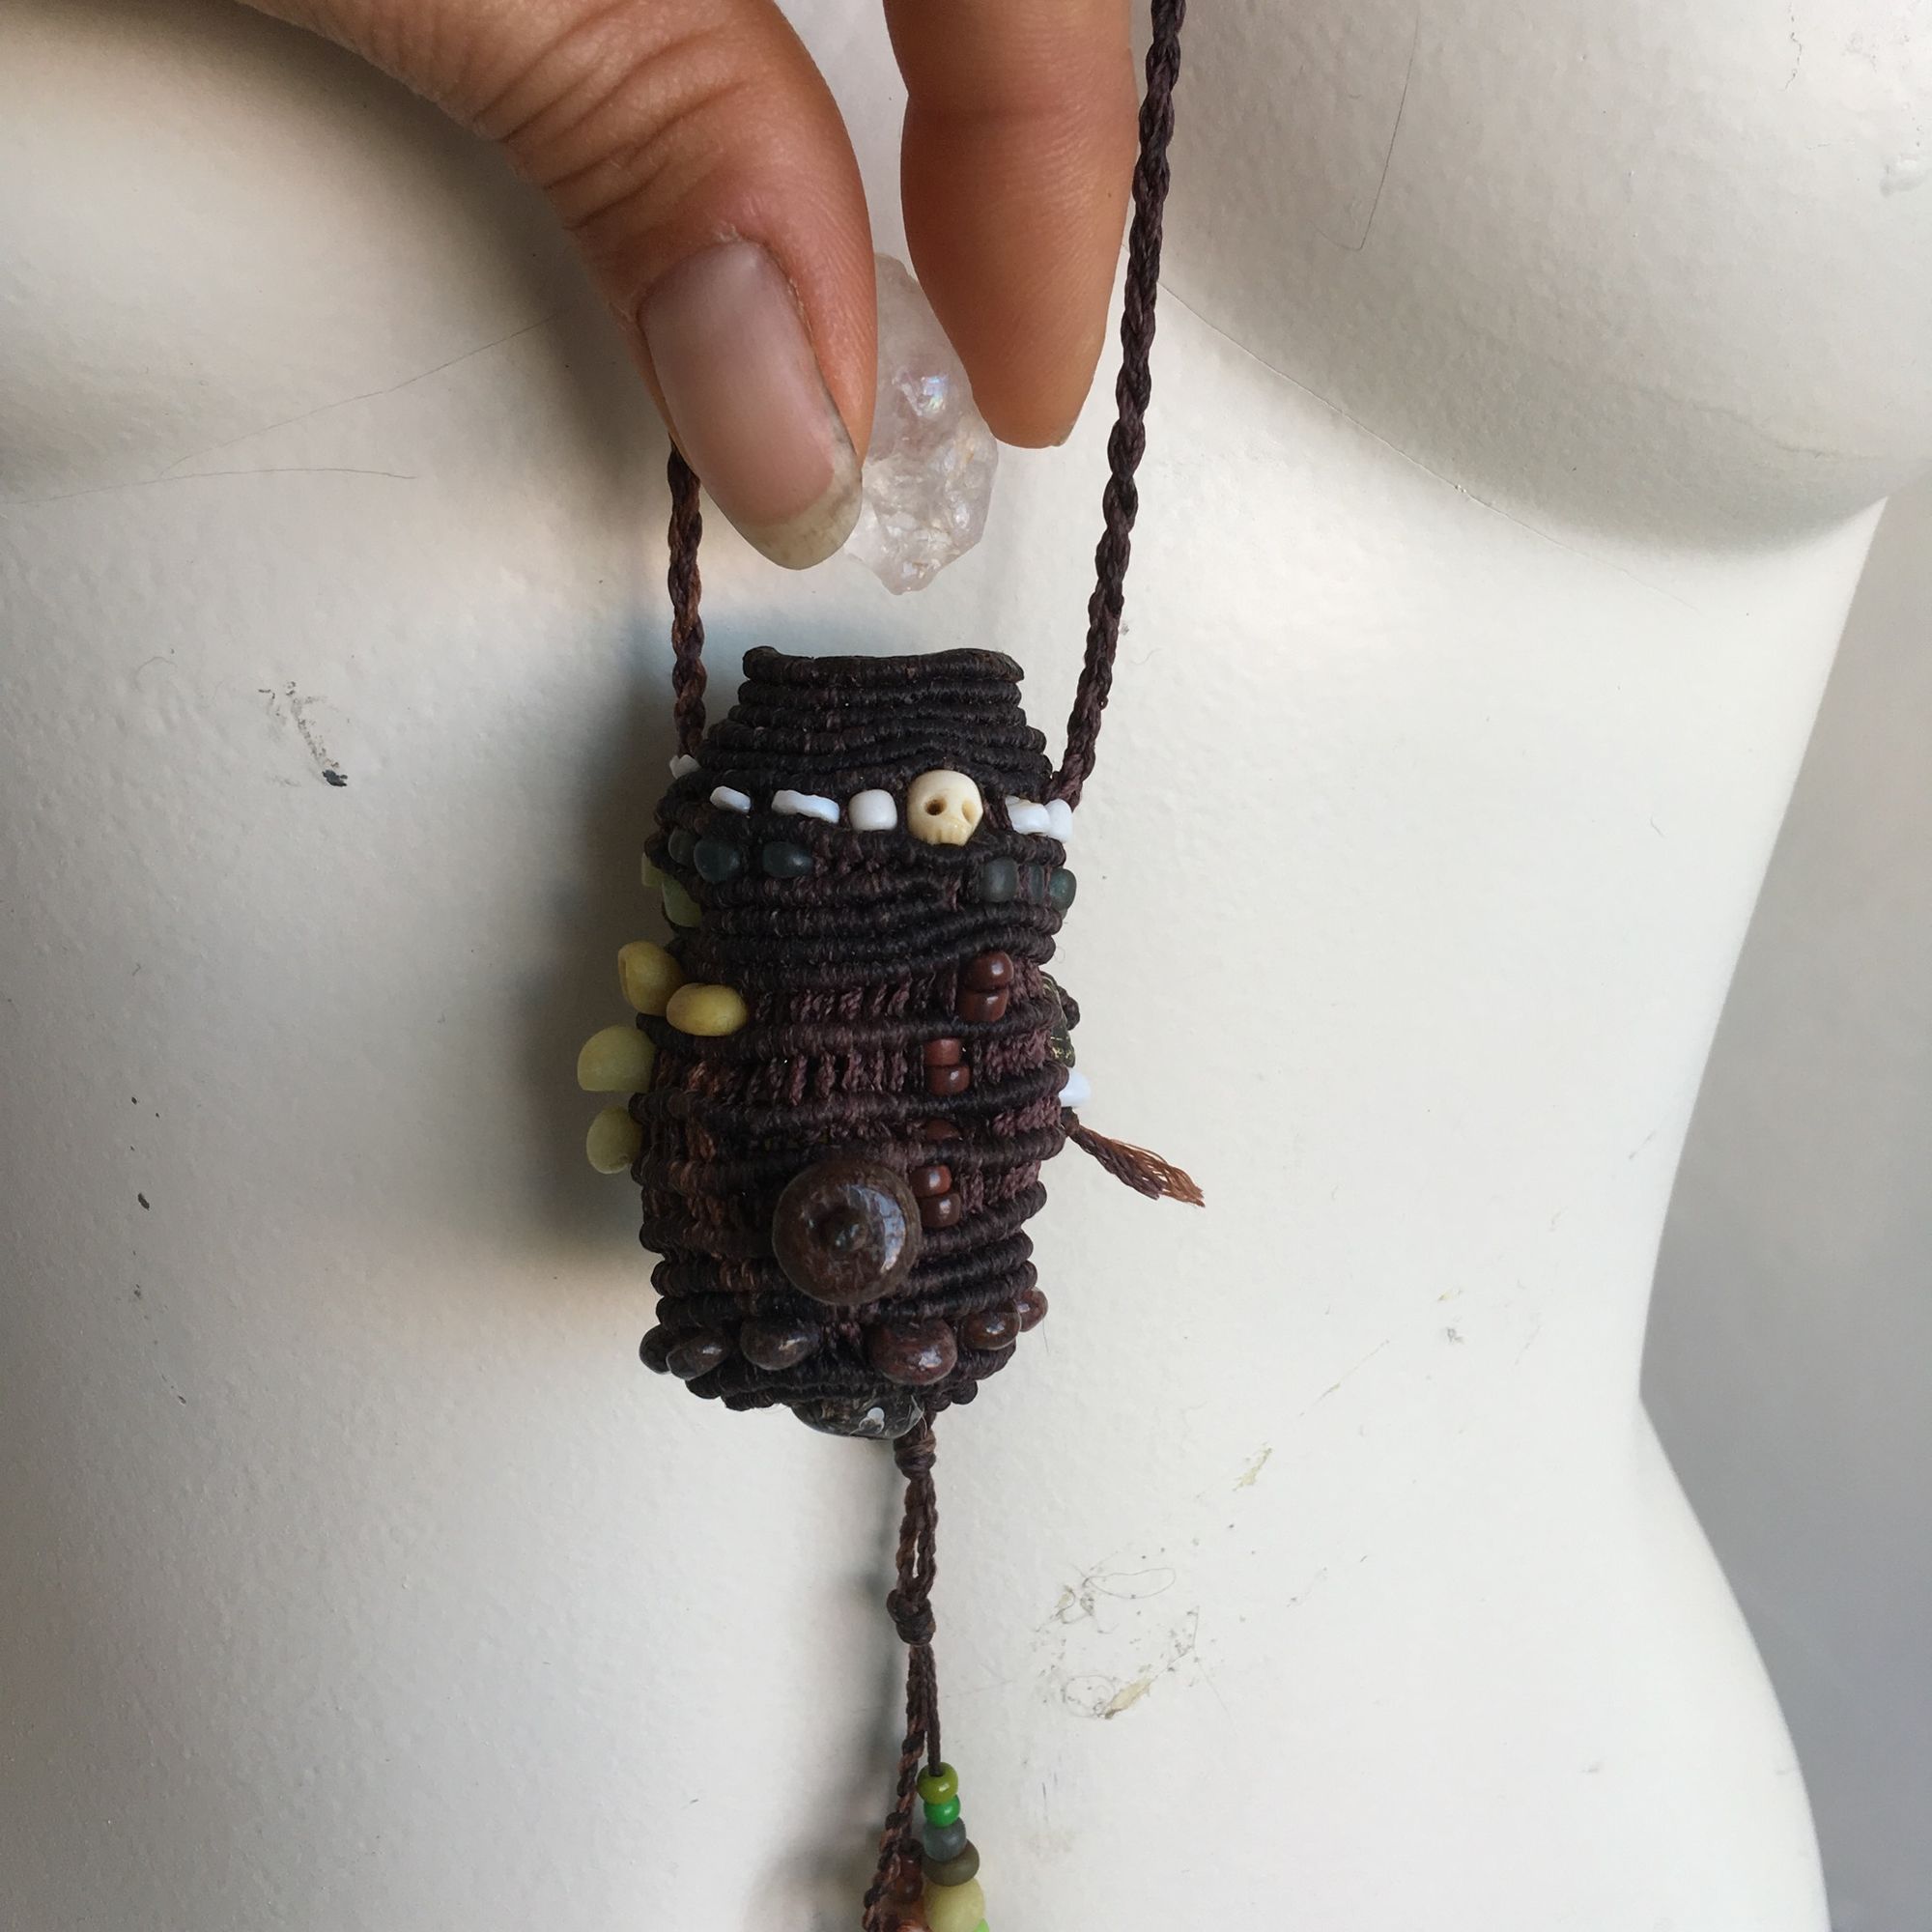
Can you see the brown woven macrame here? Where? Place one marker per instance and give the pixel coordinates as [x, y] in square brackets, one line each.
[863, 1057]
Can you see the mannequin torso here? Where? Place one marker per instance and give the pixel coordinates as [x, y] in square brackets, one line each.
[1313, 1565]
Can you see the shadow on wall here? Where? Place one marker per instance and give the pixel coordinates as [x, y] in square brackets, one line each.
[1790, 1348]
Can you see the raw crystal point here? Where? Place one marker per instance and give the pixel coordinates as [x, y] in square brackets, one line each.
[929, 468]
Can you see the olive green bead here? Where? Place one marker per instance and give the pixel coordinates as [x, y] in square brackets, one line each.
[680, 908]
[709, 1012]
[935, 1787]
[617, 1059]
[648, 975]
[945, 1812]
[615, 1141]
[1061, 886]
[955, 1871]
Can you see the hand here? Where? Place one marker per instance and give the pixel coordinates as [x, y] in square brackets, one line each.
[693, 151]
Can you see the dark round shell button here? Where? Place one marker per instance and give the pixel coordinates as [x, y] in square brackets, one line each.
[847, 1230]
[882, 1417]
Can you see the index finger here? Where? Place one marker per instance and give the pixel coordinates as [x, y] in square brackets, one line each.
[1014, 170]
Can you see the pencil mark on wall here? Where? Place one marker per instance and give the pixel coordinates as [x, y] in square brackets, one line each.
[288, 706]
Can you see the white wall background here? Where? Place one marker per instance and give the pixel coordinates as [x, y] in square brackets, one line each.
[1791, 1343]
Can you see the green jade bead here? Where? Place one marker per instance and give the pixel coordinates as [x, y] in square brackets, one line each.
[680, 908]
[945, 1813]
[935, 1787]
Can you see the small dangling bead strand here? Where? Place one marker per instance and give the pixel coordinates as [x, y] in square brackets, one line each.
[954, 1899]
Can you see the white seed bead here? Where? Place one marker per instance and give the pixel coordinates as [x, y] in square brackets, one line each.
[683, 765]
[1060, 820]
[728, 799]
[1024, 816]
[873, 810]
[806, 804]
[618, 1060]
[1076, 1089]
[615, 1141]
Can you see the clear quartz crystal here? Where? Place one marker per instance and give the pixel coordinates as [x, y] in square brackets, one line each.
[929, 467]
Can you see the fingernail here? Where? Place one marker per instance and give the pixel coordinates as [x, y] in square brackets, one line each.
[752, 412]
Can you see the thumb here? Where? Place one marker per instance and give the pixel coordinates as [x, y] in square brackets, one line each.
[694, 154]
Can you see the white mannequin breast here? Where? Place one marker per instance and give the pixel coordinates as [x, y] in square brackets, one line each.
[1314, 1561]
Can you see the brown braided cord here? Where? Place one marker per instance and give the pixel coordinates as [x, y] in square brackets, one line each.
[1126, 444]
[1119, 502]
[687, 627]
[910, 1605]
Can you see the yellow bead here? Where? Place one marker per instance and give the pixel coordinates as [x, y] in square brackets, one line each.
[615, 1141]
[648, 975]
[956, 1908]
[618, 1060]
[708, 1012]
[652, 877]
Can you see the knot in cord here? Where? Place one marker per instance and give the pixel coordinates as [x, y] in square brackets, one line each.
[912, 1617]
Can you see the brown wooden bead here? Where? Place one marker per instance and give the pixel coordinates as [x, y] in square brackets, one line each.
[947, 1082]
[913, 1353]
[939, 1211]
[698, 1353]
[778, 1344]
[942, 1052]
[847, 1230]
[654, 1352]
[991, 1328]
[1032, 1306]
[981, 1008]
[939, 1130]
[925, 1181]
[990, 973]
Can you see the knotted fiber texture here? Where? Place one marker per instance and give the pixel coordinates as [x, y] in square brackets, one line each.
[848, 973]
